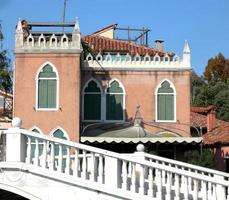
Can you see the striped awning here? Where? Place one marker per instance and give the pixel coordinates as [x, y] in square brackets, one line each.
[178, 140]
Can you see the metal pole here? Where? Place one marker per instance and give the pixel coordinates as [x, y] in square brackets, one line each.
[201, 144]
[65, 1]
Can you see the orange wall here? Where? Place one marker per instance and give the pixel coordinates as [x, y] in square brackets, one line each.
[67, 117]
[140, 89]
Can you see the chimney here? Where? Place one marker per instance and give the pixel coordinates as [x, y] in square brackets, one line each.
[159, 45]
[211, 120]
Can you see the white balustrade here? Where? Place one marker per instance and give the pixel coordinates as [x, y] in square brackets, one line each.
[147, 178]
[134, 62]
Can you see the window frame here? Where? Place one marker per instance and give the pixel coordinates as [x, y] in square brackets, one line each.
[47, 78]
[83, 93]
[124, 101]
[174, 101]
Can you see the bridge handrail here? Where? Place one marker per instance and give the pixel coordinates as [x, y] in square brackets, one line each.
[183, 165]
[138, 176]
[118, 156]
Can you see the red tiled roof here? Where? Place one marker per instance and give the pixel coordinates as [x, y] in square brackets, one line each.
[219, 135]
[100, 44]
[203, 109]
[198, 120]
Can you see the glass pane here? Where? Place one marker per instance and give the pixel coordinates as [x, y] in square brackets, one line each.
[92, 87]
[114, 107]
[92, 106]
[114, 88]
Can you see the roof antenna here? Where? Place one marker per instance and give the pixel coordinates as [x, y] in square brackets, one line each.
[64, 11]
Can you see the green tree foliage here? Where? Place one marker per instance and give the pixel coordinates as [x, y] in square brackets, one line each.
[5, 72]
[205, 160]
[217, 69]
[213, 88]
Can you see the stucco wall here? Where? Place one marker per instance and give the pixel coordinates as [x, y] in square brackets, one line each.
[67, 116]
[140, 89]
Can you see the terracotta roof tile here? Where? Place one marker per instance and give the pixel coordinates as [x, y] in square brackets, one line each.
[219, 135]
[203, 109]
[100, 44]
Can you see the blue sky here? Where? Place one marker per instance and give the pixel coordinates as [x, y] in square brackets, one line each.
[204, 23]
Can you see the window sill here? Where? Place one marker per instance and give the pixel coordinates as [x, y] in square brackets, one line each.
[166, 121]
[47, 109]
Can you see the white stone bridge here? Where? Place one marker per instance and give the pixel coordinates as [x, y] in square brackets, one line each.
[36, 166]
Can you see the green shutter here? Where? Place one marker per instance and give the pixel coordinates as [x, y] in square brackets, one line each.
[165, 88]
[161, 107]
[47, 72]
[165, 107]
[51, 94]
[47, 88]
[42, 93]
[92, 106]
[169, 107]
[114, 107]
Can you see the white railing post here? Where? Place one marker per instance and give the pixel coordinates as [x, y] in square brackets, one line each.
[220, 190]
[15, 143]
[112, 172]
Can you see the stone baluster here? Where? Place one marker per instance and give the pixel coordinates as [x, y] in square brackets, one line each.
[150, 182]
[209, 192]
[168, 186]
[44, 154]
[101, 169]
[204, 190]
[76, 163]
[60, 158]
[133, 178]
[159, 184]
[228, 193]
[124, 175]
[220, 190]
[84, 165]
[36, 153]
[185, 188]
[177, 187]
[52, 157]
[68, 160]
[214, 192]
[195, 189]
[92, 168]
[141, 180]
[28, 151]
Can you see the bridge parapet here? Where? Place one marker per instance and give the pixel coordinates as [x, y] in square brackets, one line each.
[134, 176]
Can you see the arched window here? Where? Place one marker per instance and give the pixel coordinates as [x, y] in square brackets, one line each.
[165, 98]
[33, 144]
[92, 101]
[47, 88]
[60, 134]
[114, 101]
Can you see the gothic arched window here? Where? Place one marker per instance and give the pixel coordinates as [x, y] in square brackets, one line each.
[92, 101]
[47, 88]
[165, 100]
[115, 101]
